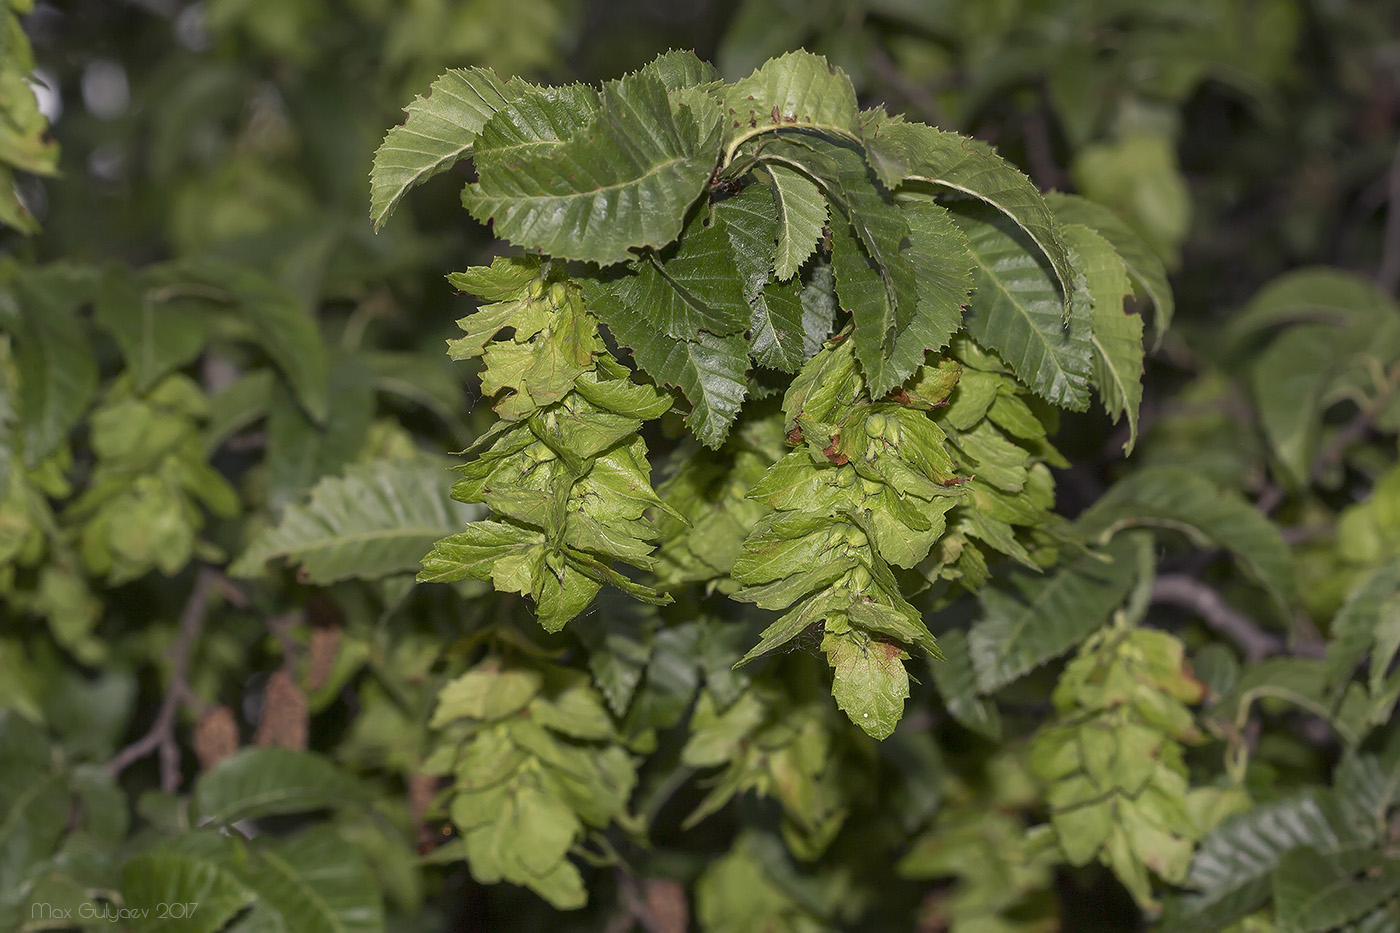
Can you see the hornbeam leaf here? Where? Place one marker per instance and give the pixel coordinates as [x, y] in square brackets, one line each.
[1318, 295]
[1316, 891]
[190, 869]
[956, 680]
[1145, 267]
[1049, 615]
[942, 264]
[750, 220]
[1016, 311]
[377, 519]
[1116, 332]
[971, 167]
[274, 318]
[778, 329]
[874, 280]
[861, 289]
[682, 69]
[709, 370]
[1230, 874]
[156, 333]
[801, 216]
[695, 288]
[312, 881]
[1353, 629]
[1174, 497]
[798, 89]
[623, 181]
[439, 131]
[270, 781]
[1288, 381]
[536, 123]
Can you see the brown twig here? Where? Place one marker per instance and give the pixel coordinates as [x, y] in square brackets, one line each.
[1193, 595]
[1388, 274]
[160, 737]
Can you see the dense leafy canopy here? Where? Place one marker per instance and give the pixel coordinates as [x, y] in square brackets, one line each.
[842, 531]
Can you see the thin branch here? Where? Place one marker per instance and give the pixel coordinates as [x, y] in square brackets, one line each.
[1388, 275]
[1193, 595]
[160, 737]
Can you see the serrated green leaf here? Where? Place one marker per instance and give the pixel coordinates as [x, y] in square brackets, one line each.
[1353, 628]
[694, 289]
[1230, 873]
[377, 519]
[1116, 333]
[750, 221]
[1017, 311]
[709, 370]
[973, 168]
[1048, 615]
[956, 680]
[801, 215]
[153, 881]
[1174, 497]
[861, 286]
[535, 123]
[313, 882]
[1314, 892]
[798, 89]
[622, 182]
[874, 279]
[681, 68]
[870, 683]
[265, 781]
[939, 254]
[1143, 265]
[439, 131]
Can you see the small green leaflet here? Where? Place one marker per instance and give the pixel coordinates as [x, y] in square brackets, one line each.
[870, 683]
